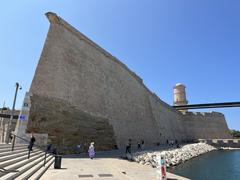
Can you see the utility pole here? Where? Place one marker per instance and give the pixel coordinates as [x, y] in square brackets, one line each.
[2, 112]
[9, 129]
[2, 128]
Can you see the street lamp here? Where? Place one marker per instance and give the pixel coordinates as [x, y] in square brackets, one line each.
[12, 113]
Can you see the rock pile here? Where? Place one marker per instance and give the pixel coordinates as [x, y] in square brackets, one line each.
[173, 156]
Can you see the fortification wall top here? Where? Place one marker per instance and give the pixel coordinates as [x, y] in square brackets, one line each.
[204, 114]
[54, 19]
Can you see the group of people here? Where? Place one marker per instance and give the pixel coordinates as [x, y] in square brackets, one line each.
[140, 146]
[172, 143]
[91, 149]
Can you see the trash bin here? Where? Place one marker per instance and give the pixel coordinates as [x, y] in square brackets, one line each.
[57, 163]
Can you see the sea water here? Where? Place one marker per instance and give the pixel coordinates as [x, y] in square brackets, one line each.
[215, 165]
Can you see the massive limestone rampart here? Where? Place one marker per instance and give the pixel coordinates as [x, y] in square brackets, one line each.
[81, 93]
[206, 125]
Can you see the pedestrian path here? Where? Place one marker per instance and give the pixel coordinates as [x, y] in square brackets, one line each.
[103, 169]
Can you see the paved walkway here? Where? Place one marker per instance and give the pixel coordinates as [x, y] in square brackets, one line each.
[103, 169]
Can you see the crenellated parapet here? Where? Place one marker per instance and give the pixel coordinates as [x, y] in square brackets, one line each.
[222, 143]
[204, 114]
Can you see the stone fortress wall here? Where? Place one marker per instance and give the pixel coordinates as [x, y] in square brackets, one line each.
[81, 93]
[206, 125]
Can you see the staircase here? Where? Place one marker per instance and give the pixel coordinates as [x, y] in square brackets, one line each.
[16, 165]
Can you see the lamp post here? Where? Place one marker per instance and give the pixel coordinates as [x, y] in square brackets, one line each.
[12, 113]
[2, 128]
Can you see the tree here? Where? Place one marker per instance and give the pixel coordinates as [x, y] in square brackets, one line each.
[235, 133]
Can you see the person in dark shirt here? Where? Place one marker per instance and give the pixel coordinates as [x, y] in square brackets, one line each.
[31, 143]
[49, 148]
[139, 146]
[129, 146]
[142, 144]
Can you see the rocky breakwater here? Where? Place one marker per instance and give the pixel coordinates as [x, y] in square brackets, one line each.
[173, 156]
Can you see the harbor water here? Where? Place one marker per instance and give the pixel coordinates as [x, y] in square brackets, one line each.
[215, 165]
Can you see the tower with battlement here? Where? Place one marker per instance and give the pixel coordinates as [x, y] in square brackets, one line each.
[179, 94]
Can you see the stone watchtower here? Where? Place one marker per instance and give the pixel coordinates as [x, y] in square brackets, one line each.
[180, 95]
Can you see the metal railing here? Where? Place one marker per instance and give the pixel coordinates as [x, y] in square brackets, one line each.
[45, 149]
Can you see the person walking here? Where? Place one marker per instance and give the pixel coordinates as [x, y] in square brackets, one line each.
[139, 146]
[91, 151]
[31, 143]
[129, 150]
[129, 147]
[79, 148]
[142, 144]
[49, 148]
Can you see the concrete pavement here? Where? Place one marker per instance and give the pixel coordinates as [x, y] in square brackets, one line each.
[103, 169]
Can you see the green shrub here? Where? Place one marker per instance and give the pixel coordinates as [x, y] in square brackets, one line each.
[235, 133]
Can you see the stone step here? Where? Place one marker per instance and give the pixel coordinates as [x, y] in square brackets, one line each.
[35, 170]
[15, 161]
[23, 169]
[10, 149]
[24, 161]
[2, 154]
[19, 164]
[10, 146]
[16, 165]
[40, 173]
[12, 156]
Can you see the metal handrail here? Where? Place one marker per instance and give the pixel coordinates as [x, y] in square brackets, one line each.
[25, 140]
[29, 152]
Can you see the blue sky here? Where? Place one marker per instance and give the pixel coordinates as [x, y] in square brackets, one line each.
[164, 42]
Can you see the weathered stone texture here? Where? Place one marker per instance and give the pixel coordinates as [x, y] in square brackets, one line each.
[77, 82]
[169, 121]
[68, 126]
[74, 71]
[206, 125]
